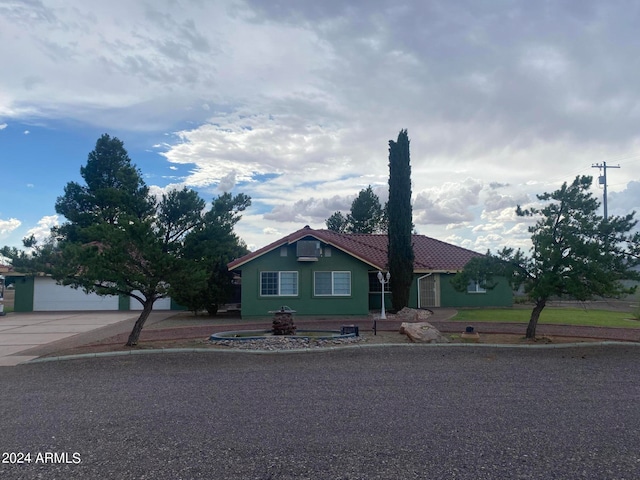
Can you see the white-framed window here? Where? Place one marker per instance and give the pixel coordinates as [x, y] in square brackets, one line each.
[278, 284]
[332, 283]
[475, 287]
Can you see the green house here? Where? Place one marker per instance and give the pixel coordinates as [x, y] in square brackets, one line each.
[325, 273]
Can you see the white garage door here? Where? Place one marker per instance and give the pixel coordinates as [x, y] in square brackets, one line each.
[161, 304]
[49, 296]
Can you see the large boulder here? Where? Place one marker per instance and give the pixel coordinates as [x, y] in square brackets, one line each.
[422, 332]
[411, 315]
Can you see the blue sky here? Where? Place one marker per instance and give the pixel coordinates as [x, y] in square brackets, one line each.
[294, 102]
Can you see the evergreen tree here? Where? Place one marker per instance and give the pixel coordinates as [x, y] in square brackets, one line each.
[400, 221]
[209, 247]
[36, 260]
[113, 190]
[366, 215]
[576, 253]
[118, 240]
[337, 222]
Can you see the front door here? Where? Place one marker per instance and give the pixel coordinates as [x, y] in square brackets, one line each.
[428, 291]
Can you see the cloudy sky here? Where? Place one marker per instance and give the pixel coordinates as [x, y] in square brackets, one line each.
[293, 102]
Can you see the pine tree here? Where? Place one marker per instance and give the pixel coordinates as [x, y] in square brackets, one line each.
[400, 251]
[367, 215]
[576, 253]
[119, 240]
[337, 222]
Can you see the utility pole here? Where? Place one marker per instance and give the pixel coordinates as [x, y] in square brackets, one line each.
[602, 180]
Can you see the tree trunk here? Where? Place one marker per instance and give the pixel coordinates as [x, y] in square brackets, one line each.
[137, 328]
[212, 309]
[535, 315]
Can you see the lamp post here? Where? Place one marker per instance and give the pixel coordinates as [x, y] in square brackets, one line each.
[382, 279]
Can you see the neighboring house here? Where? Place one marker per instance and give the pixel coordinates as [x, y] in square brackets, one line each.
[43, 294]
[321, 272]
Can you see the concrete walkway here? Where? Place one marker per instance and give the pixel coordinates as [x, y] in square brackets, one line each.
[25, 336]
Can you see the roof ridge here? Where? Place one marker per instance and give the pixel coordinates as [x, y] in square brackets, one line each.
[351, 237]
[448, 244]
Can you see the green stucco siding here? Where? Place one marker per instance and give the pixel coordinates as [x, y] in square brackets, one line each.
[375, 300]
[124, 302]
[24, 294]
[305, 302]
[499, 296]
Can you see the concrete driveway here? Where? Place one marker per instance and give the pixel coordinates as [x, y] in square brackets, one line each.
[25, 336]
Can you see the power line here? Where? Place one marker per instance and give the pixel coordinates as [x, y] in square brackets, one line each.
[627, 159]
[602, 180]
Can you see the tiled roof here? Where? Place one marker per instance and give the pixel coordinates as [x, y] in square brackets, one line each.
[430, 254]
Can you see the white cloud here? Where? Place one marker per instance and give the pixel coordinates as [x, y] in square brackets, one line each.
[449, 203]
[250, 147]
[272, 232]
[310, 210]
[294, 102]
[8, 226]
[227, 182]
[3, 126]
[626, 201]
[151, 64]
[495, 200]
[42, 230]
[546, 61]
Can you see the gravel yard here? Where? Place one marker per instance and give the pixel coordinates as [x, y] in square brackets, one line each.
[383, 413]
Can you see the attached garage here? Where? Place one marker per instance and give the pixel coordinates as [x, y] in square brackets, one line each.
[162, 304]
[48, 296]
[43, 294]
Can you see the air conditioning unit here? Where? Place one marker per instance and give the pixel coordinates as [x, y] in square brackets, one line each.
[308, 250]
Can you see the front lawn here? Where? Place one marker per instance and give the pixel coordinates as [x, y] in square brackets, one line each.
[550, 315]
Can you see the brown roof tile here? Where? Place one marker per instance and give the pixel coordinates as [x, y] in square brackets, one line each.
[430, 254]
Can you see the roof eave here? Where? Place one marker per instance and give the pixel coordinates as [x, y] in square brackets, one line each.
[436, 270]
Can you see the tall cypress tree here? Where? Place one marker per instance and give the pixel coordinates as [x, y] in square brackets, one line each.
[400, 251]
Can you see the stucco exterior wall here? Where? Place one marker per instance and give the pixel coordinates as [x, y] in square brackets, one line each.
[24, 287]
[305, 302]
[500, 296]
[447, 296]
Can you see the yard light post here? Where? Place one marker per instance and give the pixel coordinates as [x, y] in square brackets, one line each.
[382, 279]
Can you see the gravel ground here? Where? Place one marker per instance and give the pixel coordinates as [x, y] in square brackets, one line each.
[284, 343]
[359, 413]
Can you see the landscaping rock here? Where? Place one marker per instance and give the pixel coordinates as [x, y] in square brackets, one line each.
[422, 332]
[285, 343]
[411, 315]
[283, 323]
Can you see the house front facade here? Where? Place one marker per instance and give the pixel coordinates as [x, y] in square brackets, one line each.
[321, 272]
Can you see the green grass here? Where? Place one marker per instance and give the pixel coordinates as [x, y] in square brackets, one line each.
[550, 315]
